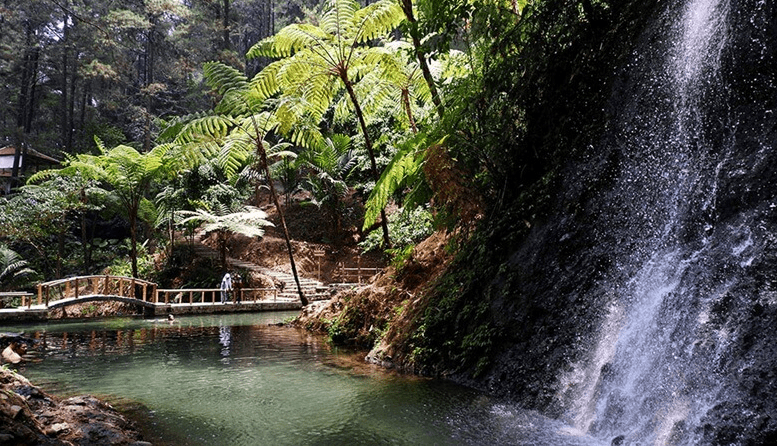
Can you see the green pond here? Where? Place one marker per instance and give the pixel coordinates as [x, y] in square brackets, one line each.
[239, 380]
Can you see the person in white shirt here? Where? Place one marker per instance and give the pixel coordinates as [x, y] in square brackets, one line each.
[226, 287]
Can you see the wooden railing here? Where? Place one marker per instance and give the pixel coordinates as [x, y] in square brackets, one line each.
[74, 287]
[359, 272]
[12, 296]
[128, 287]
[213, 295]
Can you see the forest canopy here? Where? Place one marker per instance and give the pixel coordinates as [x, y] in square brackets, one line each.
[431, 108]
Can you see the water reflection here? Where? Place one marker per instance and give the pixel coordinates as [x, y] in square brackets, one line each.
[225, 333]
[235, 380]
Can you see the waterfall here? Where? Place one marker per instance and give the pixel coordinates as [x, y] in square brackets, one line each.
[666, 357]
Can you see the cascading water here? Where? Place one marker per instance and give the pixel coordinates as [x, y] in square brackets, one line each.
[694, 229]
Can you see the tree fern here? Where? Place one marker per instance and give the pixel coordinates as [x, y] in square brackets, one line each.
[128, 173]
[330, 162]
[249, 221]
[319, 61]
[247, 103]
[405, 168]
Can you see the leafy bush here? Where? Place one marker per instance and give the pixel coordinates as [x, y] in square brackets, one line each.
[122, 266]
[405, 229]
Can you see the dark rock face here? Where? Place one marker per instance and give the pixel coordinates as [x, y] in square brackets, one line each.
[641, 305]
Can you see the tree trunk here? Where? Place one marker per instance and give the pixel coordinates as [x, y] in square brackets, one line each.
[25, 110]
[148, 80]
[33, 83]
[17, 157]
[226, 25]
[71, 111]
[60, 251]
[408, 110]
[85, 93]
[171, 234]
[84, 242]
[370, 152]
[64, 88]
[407, 7]
[133, 222]
[266, 169]
[221, 238]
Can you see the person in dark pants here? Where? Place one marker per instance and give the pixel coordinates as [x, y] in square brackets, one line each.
[238, 285]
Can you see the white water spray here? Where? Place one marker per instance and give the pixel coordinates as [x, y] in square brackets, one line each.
[638, 383]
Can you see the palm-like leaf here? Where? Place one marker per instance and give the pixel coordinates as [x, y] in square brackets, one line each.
[12, 268]
[404, 169]
[250, 221]
[317, 58]
[330, 163]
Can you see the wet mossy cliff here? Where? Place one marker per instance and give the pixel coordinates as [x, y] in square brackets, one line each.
[626, 195]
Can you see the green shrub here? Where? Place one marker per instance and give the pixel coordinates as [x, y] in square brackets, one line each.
[406, 228]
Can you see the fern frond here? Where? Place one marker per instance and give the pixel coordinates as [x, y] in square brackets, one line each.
[338, 18]
[237, 102]
[266, 82]
[374, 93]
[233, 156]
[100, 145]
[288, 41]
[404, 168]
[43, 175]
[250, 221]
[377, 19]
[222, 77]
[453, 65]
[211, 127]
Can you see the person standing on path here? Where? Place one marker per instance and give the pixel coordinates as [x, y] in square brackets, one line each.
[226, 287]
[238, 286]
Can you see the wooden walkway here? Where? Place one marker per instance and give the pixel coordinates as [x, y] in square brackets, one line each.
[59, 294]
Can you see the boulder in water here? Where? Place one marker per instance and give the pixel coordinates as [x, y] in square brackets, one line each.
[10, 355]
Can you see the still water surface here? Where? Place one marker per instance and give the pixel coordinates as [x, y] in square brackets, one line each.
[237, 380]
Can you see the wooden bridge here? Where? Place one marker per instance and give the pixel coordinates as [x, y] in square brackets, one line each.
[73, 290]
[142, 293]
